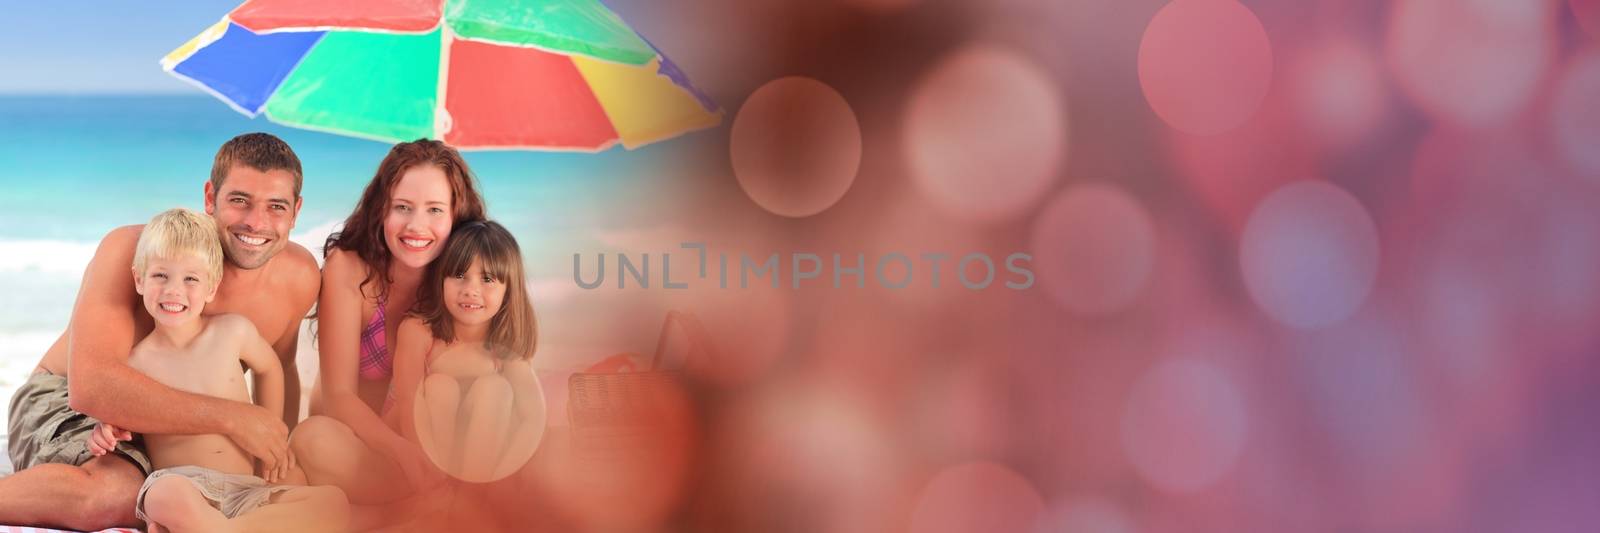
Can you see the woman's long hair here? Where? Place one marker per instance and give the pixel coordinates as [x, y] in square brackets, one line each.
[513, 332]
[363, 231]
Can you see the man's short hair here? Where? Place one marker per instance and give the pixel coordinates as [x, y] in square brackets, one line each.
[179, 232]
[260, 151]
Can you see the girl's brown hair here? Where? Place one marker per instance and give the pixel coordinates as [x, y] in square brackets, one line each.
[513, 332]
[363, 231]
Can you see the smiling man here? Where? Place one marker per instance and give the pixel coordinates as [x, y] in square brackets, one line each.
[254, 195]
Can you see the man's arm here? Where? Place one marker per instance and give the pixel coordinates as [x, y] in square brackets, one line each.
[102, 385]
[285, 351]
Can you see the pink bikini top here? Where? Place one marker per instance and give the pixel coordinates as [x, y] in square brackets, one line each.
[376, 361]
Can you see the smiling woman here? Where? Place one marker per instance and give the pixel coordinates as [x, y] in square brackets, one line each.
[421, 190]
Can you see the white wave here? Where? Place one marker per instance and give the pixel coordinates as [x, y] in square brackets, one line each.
[70, 257]
[314, 238]
[40, 280]
[27, 343]
[45, 256]
[19, 352]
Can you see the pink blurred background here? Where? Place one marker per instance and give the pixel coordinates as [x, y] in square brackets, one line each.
[1300, 266]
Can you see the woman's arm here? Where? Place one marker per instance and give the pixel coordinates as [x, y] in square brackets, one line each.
[338, 338]
[412, 342]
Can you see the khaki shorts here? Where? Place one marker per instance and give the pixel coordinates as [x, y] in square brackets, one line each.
[44, 429]
[233, 494]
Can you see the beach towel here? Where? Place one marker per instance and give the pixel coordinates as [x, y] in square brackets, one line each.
[28, 529]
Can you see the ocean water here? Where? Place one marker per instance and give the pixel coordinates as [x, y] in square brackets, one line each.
[74, 167]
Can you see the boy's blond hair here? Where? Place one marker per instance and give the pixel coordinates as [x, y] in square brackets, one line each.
[178, 232]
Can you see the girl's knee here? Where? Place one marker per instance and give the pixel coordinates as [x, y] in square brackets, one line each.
[328, 500]
[319, 433]
[440, 386]
[324, 449]
[492, 389]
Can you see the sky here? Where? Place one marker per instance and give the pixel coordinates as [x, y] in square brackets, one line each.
[83, 47]
[75, 46]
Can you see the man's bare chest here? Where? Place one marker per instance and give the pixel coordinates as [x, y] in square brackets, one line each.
[269, 314]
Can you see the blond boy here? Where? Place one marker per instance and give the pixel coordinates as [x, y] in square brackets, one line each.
[206, 482]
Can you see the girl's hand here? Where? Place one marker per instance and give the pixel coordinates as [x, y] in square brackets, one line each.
[105, 437]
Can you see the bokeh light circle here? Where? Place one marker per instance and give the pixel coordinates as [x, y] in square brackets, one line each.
[1185, 425]
[961, 411]
[796, 146]
[1575, 114]
[812, 443]
[1205, 65]
[1309, 255]
[1472, 62]
[1361, 380]
[985, 133]
[1091, 515]
[1230, 172]
[1462, 319]
[1338, 91]
[914, 228]
[1094, 248]
[978, 497]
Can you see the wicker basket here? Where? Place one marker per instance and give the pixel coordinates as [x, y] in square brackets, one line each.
[624, 413]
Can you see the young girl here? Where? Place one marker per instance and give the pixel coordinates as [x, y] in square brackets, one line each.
[464, 389]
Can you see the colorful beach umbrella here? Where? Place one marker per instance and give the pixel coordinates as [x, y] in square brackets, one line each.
[506, 74]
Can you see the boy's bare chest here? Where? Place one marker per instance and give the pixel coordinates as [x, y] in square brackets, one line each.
[204, 368]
